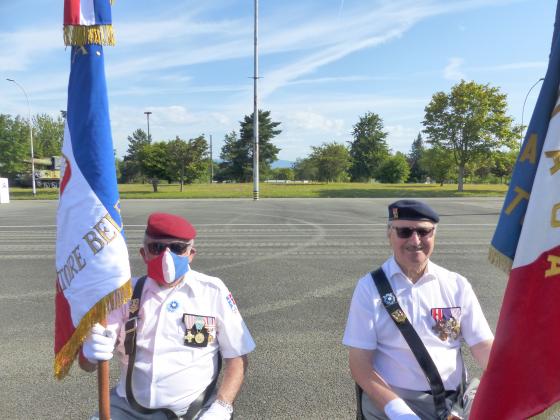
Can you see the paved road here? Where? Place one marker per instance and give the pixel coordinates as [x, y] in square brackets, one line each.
[292, 265]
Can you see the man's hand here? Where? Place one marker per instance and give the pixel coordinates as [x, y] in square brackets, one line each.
[217, 411]
[99, 344]
[397, 409]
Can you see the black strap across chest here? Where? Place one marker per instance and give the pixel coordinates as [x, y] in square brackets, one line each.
[130, 349]
[389, 300]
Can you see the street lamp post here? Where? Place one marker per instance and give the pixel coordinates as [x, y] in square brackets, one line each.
[211, 162]
[148, 119]
[255, 106]
[30, 135]
[523, 110]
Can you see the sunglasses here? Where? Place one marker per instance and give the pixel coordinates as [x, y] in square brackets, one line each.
[178, 248]
[406, 232]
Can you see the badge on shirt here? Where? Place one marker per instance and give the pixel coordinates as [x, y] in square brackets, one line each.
[447, 324]
[399, 316]
[231, 302]
[199, 330]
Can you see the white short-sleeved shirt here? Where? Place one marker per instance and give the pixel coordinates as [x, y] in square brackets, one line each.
[370, 327]
[168, 373]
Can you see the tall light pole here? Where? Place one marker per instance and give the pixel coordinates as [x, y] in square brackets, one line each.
[148, 120]
[523, 110]
[255, 107]
[30, 135]
[211, 163]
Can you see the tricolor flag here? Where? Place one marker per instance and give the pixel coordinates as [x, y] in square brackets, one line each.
[93, 271]
[523, 374]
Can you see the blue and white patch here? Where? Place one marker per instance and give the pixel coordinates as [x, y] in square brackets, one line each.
[389, 299]
[172, 306]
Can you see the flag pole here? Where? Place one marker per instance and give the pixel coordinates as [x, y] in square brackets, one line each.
[103, 386]
[88, 153]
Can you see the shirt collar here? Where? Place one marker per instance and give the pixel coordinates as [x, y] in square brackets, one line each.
[395, 270]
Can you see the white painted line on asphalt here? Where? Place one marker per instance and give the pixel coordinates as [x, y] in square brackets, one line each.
[257, 224]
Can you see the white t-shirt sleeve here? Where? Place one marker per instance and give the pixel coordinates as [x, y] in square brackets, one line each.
[474, 326]
[360, 327]
[233, 335]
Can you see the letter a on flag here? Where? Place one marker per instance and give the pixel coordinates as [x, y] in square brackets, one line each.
[523, 374]
[93, 271]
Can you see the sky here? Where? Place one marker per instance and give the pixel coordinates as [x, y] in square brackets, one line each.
[323, 64]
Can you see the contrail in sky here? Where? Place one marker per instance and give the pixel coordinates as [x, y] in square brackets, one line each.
[340, 8]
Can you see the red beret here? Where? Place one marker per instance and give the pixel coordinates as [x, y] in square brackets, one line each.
[169, 226]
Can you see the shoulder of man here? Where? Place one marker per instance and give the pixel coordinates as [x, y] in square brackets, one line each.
[205, 280]
[448, 276]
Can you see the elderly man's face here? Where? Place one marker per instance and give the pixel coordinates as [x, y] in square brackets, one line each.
[413, 243]
[155, 247]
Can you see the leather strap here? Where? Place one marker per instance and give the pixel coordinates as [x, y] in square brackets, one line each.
[415, 343]
[130, 349]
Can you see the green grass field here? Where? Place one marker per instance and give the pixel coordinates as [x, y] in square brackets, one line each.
[315, 190]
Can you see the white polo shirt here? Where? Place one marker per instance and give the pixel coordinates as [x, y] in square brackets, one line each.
[169, 373]
[370, 327]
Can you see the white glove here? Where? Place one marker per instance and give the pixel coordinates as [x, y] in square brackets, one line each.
[397, 409]
[99, 344]
[216, 412]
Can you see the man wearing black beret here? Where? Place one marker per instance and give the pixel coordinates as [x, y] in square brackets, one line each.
[172, 335]
[405, 326]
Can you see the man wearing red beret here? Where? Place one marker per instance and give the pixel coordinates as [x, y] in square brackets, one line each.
[172, 335]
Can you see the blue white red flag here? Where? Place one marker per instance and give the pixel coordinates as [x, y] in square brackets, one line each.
[522, 377]
[93, 270]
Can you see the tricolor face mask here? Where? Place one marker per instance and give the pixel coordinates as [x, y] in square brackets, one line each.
[167, 267]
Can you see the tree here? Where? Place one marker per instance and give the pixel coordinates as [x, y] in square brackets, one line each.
[469, 122]
[187, 160]
[237, 154]
[369, 148]
[286, 174]
[154, 162]
[198, 164]
[14, 146]
[416, 152]
[503, 164]
[235, 165]
[332, 161]
[48, 135]
[438, 164]
[394, 170]
[132, 167]
[306, 169]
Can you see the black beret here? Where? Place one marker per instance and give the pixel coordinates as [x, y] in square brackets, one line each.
[165, 225]
[412, 210]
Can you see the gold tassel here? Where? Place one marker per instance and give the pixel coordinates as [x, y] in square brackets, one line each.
[65, 357]
[499, 260]
[85, 35]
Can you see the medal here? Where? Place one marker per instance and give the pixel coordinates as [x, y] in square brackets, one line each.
[199, 338]
[133, 308]
[447, 326]
[398, 316]
[199, 323]
[189, 337]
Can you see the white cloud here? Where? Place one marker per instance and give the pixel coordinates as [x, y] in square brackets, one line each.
[313, 121]
[453, 70]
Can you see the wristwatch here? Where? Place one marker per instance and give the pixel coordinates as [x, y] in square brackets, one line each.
[226, 405]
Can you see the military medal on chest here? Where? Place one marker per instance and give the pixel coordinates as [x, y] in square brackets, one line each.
[199, 330]
[447, 326]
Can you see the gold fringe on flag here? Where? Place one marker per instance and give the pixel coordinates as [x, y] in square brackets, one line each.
[499, 260]
[84, 35]
[65, 357]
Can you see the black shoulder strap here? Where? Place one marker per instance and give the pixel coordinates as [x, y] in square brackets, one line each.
[130, 349]
[411, 336]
